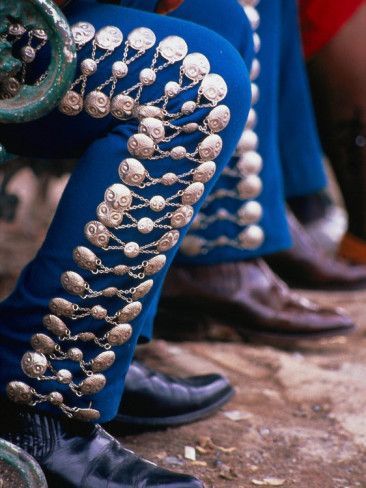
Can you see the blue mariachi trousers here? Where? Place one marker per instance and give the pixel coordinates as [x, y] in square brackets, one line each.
[288, 141]
[54, 326]
[286, 130]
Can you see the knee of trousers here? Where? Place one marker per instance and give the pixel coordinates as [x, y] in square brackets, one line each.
[57, 136]
[225, 17]
[164, 183]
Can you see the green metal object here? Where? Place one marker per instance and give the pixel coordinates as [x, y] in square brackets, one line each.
[33, 102]
[18, 469]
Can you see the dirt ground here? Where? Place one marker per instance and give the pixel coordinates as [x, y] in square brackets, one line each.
[298, 416]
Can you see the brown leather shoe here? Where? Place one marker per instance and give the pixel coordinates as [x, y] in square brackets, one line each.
[306, 265]
[246, 295]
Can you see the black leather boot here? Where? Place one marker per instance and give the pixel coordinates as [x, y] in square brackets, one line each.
[153, 399]
[77, 455]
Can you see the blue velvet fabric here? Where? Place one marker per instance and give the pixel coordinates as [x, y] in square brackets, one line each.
[101, 145]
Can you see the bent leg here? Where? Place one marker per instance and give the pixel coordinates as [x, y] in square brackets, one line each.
[126, 251]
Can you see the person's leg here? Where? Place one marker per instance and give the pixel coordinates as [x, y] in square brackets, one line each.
[244, 218]
[81, 352]
[306, 263]
[300, 150]
[338, 76]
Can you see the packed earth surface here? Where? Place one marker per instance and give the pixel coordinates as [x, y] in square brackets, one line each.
[298, 416]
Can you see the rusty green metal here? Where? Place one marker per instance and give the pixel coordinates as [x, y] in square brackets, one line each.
[18, 469]
[33, 102]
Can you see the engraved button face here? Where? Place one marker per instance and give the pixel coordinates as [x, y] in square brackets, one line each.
[192, 246]
[141, 146]
[103, 361]
[82, 32]
[109, 38]
[253, 16]
[120, 270]
[88, 67]
[255, 93]
[42, 343]
[178, 152]
[250, 163]
[27, 54]
[255, 69]
[204, 172]
[86, 414]
[119, 334]
[248, 141]
[34, 364]
[190, 128]
[19, 392]
[168, 240]
[173, 48]
[157, 203]
[60, 306]
[71, 104]
[144, 111]
[85, 258]
[252, 119]
[252, 237]
[189, 107]
[131, 249]
[73, 283]
[16, 30]
[97, 233]
[142, 289]
[86, 336]
[55, 325]
[196, 66]
[98, 312]
[108, 216]
[141, 39]
[172, 88]
[55, 398]
[214, 88]
[218, 118]
[193, 193]
[132, 172]
[257, 42]
[118, 196]
[182, 216]
[122, 107]
[119, 69]
[64, 376]
[10, 86]
[40, 34]
[210, 147]
[155, 264]
[153, 128]
[75, 354]
[250, 213]
[145, 225]
[97, 104]
[169, 179]
[109, 292]
[129, 312]
[147, 76]
[93, 384]
[250, 187]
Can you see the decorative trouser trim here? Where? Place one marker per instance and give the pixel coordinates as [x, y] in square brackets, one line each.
[126, 205]
[247, 186]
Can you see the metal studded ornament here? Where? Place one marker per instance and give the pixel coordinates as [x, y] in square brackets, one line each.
[135, 202]
[109, 38]
[246, 170]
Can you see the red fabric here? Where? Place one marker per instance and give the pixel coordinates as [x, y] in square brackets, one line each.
[321, 20]
[165, 6]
